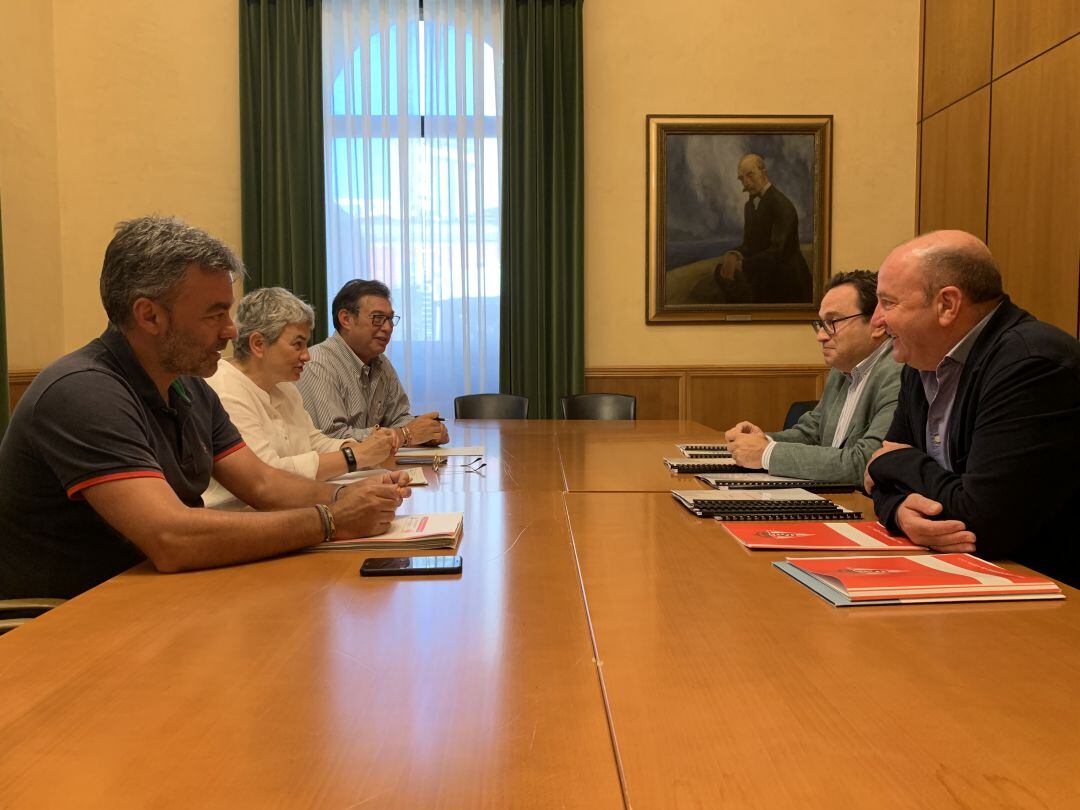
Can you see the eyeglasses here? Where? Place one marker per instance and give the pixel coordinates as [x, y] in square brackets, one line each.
[829, 326]
[379, 318]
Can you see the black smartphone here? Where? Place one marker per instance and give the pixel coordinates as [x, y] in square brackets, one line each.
[410, 566]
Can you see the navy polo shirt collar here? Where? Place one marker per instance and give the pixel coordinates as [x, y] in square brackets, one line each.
[117, 345]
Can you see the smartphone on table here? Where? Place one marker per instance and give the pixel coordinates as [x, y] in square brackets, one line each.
[410, 566]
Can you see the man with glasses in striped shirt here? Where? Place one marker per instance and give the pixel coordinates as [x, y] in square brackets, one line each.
[349, 387]
[834, 441]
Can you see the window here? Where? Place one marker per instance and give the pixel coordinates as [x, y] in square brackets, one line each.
[412, 107]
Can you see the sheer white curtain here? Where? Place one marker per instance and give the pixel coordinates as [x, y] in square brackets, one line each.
[412, 112]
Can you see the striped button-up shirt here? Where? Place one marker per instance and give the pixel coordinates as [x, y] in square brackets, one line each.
[348, 398]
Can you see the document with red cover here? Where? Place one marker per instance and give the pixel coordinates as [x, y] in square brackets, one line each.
[846, 581]
[856, 535]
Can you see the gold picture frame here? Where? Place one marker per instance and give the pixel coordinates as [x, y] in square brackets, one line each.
[738, 217]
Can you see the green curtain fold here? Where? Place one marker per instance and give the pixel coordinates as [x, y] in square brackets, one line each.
[5, 403]
[542, 328]
[281, 149]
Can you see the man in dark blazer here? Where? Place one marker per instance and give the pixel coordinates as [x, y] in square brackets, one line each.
[982, 450]
[768, 267]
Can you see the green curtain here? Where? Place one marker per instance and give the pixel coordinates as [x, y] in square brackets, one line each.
[542, 354]
[4, 401]
[281, 149]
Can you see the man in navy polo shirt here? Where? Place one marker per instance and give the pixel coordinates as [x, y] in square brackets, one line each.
[111, 447]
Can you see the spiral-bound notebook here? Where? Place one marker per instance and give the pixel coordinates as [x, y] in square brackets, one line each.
[706, 465]
[762, 504]
[704, 450]
[762, 480]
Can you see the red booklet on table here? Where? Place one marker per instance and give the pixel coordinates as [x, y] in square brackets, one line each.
[855, 535]
[878, 580]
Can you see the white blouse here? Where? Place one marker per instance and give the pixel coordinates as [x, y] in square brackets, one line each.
[275, 426]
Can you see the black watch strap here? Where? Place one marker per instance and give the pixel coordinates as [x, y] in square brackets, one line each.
[350, 458]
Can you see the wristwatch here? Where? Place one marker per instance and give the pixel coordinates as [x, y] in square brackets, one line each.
[350, 458]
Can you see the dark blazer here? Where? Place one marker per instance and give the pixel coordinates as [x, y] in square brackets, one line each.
[1014, 443]
[772, 261]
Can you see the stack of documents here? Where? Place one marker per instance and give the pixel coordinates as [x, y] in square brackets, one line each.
[858, 535]
[704, 450]
[435, 456]
[850, 581]
[760, 504]
[763, 480]
[706, 465]
[440, 530]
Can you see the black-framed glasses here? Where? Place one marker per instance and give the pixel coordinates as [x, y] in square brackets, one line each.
[830, 325]
[379, 318]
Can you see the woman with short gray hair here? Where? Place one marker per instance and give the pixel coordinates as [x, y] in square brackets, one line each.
[257, 389]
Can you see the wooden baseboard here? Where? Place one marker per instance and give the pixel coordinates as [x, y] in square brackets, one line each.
[18, 382]
[717, 396]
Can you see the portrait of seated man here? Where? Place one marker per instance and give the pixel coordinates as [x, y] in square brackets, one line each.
[768, 266]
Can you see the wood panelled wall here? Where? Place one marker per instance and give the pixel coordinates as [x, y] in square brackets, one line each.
[1000, 141]
[717, 396]
[18, 382]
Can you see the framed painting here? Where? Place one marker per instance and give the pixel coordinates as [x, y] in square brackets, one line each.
[737, 217]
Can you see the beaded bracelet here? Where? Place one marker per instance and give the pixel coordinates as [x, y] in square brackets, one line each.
[327, 518]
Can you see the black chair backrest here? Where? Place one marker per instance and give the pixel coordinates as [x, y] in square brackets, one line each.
[16, 612]
[796, 411]
[491, 406]
[599, 406]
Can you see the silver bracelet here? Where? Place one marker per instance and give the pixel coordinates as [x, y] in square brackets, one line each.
[337, 493]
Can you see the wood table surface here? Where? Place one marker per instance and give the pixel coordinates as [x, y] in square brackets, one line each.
[579, 455]
[601, 649]
[296, 683]
[732, 685]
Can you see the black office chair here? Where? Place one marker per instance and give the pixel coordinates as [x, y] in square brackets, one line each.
[599, 406]
[491, 406]
[17, 612]
[796, 411]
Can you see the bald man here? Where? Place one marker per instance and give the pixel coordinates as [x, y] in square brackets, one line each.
[982, 453]
[768, 267]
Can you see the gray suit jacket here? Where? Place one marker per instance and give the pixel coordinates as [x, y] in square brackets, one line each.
[804, 451]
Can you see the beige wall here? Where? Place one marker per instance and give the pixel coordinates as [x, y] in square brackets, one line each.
[28, 184]
[853, 59]
[114, 109]
[110, 110]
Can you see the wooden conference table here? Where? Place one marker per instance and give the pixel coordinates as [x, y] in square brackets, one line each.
[603, 648]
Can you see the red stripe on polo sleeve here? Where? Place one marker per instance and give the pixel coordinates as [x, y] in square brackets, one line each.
[229, 451]
[74, 492]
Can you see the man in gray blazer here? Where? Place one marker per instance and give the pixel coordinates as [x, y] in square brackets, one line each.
[835, 440]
